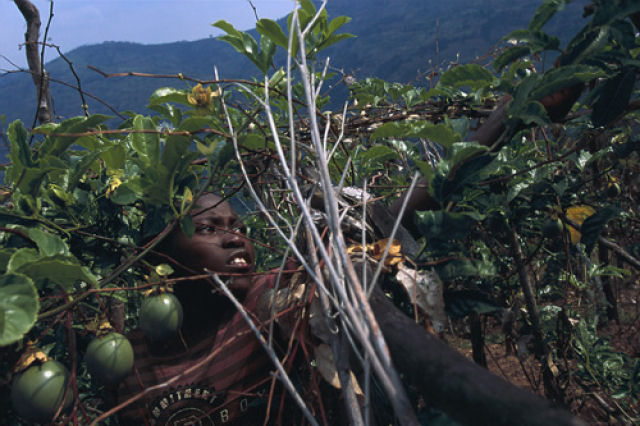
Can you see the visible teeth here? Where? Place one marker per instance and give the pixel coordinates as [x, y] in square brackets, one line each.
[238, 261]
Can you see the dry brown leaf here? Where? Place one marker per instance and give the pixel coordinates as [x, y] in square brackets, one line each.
[327, 368]
[425, 290]
[578, 214]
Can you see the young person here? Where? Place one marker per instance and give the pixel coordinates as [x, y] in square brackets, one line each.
[223, 371]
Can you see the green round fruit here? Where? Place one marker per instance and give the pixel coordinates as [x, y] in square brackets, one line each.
[552, 228]
[109, 358]
[37, 392]
[160, 316]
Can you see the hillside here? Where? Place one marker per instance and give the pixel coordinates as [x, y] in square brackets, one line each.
[395, 41]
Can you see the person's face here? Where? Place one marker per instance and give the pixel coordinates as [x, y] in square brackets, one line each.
[218, 243]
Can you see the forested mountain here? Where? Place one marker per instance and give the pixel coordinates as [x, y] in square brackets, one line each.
[396, 41]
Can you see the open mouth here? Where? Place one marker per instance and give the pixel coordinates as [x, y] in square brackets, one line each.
[240, 261]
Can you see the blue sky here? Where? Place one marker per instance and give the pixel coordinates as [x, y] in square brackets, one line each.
[79, 22]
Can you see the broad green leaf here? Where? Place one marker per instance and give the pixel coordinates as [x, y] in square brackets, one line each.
[337, 23]
[333, 39]
[125, 194]
[563, 77]
[193, 124]
[54, 145]
[168, 94]
[614, 97]
[19, 307]
[308, 7]
[377, 154]
[114, 157]
[533, 112]
[252, 141]
[48, 244]
[267, 50]
[439, 133]
[187, 225]
[443, 226]
[471, 75]
[536, 40]
[546, 12]
[62, 270]
[227, 27]
[21, 257]
[271, 29]
[147, 145]
[509, 55]
[206, 149]
[81, 167]
[20, 154]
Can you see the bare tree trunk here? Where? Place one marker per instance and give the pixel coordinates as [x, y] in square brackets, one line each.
[39, 75]
[451, 383]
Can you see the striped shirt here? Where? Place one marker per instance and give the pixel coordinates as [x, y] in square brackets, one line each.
[224, 379]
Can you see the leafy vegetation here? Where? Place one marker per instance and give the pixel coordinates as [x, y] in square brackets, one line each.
[528, 226]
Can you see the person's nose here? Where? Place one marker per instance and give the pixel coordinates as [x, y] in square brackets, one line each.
[232, 239]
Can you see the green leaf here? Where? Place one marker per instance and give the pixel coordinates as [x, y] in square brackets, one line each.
[546, 12]
[333, 39]
[55, 146]
[168, 94]
[114, 157]
[594, 224]
[509, 55]
[187, 225]
[536, 40]
[21, 257]
[614, 97]
[563, 77]
[147, 145]
[81, 167]
[252, 141]
[125, 194]
[19, 307]
[206, 150]
[439, 133]
[533, 112]
[376, 155]
[227, 27]
[267, 50]
[271, 29]
[48, 244]
[337, 23]
[62, 270]
[471, 75]
[308, 7]
[20, 154]
[443, 226]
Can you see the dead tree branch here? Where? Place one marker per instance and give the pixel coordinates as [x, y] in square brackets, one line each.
[39, 75]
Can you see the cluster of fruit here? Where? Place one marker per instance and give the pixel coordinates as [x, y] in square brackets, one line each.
[41, 389]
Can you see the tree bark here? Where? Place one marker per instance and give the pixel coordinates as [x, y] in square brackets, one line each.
[451, 383]
[38, 74]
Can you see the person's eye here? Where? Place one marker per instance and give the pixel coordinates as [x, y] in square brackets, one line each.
[205, 229]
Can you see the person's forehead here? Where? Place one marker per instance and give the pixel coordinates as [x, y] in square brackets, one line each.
[212, 205]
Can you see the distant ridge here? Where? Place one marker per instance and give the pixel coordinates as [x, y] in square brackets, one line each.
[395, 41]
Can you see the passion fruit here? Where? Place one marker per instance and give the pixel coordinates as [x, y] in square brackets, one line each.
[160, 316]
[109, 358]
[37, 392]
